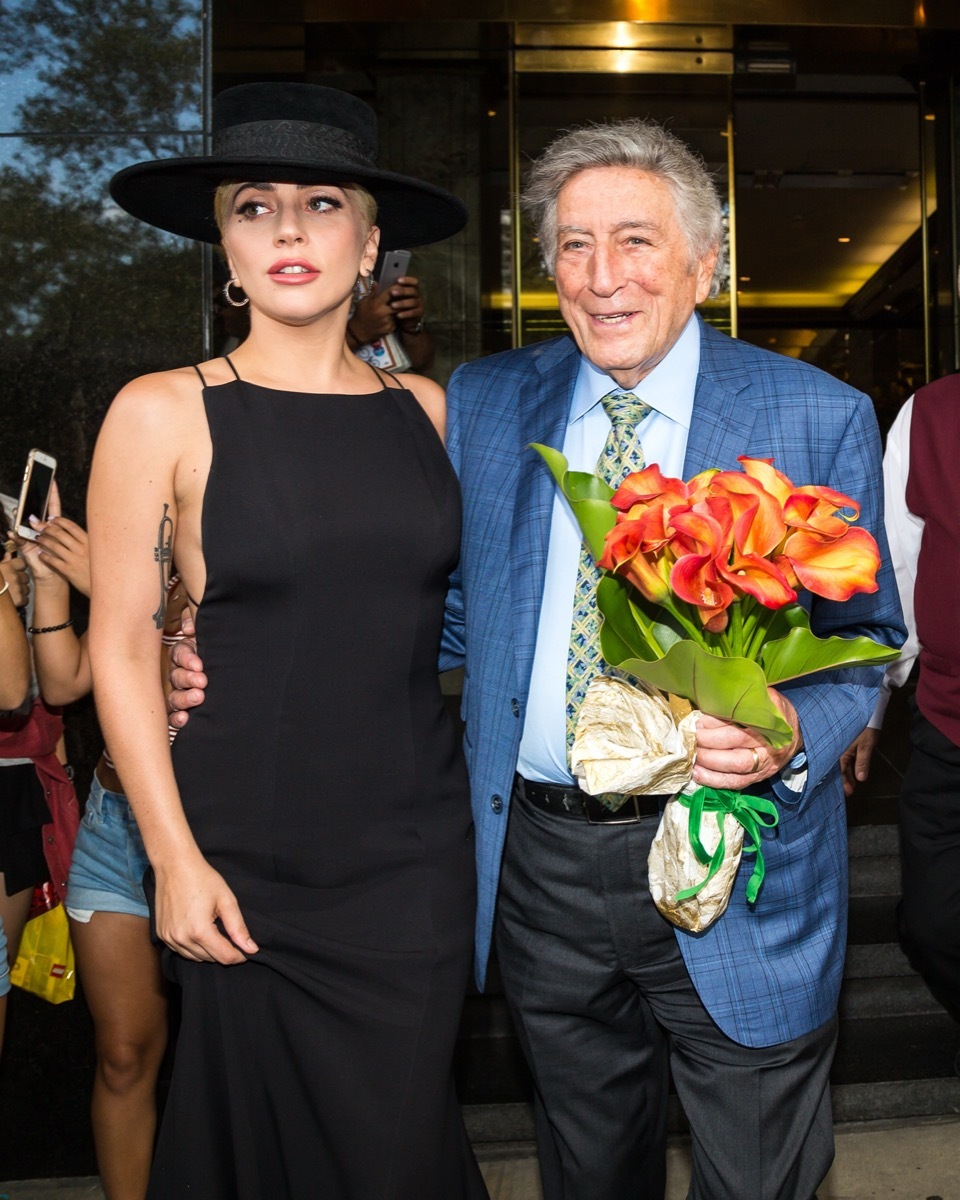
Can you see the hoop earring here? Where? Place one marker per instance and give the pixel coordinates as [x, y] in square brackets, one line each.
[229, 299]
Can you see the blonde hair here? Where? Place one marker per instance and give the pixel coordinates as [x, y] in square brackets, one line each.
[223, 202]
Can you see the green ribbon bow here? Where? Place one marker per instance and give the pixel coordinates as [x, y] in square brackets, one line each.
[752, 812]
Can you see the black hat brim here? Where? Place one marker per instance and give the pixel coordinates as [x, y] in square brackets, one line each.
[177, 195]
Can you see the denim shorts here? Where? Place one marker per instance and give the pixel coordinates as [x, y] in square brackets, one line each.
[106, 873]
[4, 964]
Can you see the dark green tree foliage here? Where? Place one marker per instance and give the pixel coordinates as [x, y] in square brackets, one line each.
[91, 297]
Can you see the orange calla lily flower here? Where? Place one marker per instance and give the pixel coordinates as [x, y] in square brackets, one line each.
[836, 568]
[630, 553]
[759, 525]
[702, 541]
[766, 474]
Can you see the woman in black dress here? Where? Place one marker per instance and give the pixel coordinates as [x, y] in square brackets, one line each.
[310, 840]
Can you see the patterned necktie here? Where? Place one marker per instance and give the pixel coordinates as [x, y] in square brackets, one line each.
[622, 454]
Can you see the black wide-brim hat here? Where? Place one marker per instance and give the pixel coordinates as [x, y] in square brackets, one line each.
[286, 133]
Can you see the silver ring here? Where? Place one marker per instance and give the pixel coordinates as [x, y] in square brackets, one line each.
[756, 760]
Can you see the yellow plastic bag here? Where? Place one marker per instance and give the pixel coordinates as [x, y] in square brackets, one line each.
[45, 964]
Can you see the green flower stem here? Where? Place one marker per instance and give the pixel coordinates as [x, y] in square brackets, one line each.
[736, 629]
[756, 628]
[692, 626]
[758, 641]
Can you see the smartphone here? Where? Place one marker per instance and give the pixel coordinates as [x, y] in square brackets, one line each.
[395, 264]
[35, 492]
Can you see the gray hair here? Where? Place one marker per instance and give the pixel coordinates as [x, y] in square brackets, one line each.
[643, 145]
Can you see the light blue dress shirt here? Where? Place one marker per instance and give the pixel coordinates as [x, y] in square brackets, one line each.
[669, 390]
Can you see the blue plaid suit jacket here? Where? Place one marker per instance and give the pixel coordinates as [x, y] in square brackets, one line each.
[767, 972]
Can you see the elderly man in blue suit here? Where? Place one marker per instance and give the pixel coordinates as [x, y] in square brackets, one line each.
[605, 993]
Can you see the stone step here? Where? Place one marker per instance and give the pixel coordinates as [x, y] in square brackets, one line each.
[872, 920]
[899, 996]
[875, 875]
[864, 841]
[510, 1124]
[498, 1122]
[874, 857]
[894, 1099]
[895, 1049]
[878, 960]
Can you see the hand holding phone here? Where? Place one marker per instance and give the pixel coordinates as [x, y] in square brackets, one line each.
[35, 492]
[395, 265]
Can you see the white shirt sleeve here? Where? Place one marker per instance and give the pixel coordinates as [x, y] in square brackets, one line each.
[904, 534]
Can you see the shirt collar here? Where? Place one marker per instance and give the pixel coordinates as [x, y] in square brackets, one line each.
[669, 388]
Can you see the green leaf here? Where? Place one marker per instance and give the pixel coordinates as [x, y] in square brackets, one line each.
[587, 495]
[734, 689]
[626, 632]
[801, 652]
[629, 620]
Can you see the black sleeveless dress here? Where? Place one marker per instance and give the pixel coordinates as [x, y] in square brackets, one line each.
[323, 778]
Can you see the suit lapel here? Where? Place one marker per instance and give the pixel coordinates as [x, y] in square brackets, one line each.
[544, 407]
[723, 417]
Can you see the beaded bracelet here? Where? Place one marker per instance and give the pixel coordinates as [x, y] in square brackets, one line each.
[49, 628]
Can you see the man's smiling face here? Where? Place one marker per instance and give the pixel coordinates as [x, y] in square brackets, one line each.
[626, 276]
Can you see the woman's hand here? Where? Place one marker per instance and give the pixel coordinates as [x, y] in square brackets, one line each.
[14, 573]
[372, 319]
[407, 304]
[191, 898]
[377, 314]
[61, 547]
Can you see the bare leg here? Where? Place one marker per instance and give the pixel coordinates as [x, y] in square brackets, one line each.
[119, 969]
[13, 916]
[14, 911]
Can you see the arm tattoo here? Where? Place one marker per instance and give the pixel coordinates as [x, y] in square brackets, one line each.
[163, 555]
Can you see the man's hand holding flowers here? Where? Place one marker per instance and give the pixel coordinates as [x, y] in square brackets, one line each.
[730, 756]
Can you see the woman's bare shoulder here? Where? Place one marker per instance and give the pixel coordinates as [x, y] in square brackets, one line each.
[159, 395]
[431, 396]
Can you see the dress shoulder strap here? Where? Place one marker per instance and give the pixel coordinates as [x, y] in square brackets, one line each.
[229, 364]
[386, 379]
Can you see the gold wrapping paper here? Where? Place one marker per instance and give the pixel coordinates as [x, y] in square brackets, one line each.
[631, 739]
[672, 867]
[628, 741]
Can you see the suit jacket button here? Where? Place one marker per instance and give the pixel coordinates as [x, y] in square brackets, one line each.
[496, 803]
[515, 707]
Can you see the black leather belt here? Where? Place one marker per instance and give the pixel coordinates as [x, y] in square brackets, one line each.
[576, 803]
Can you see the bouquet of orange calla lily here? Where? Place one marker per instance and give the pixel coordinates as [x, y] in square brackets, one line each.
[699, 598]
